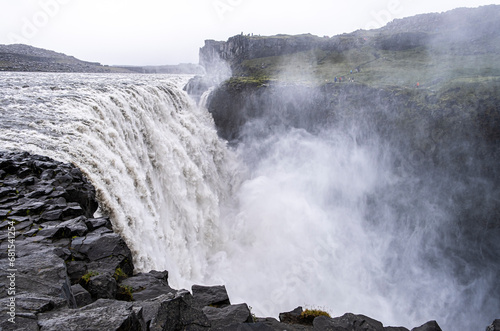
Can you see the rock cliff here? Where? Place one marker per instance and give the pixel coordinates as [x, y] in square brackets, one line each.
[466, 30]
[20, 57]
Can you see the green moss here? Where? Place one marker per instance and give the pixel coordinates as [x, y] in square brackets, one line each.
[124, 293]
[308, 315]
[86, 278]
[240, 82]
[119, 275]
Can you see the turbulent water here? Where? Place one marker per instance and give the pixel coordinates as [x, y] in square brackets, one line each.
[285, 218]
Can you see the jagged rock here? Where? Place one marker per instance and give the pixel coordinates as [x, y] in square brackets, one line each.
[105, 251]
[102, 286]
[162, 275]
[324, 323]
[148, 286]
[75, 270]
[178, 313]
[51, 215]
[395, 328]
[95, 223]
[429, 326]
[77, 226]
[21, 323]
[43, 273]
[109, 315]
[228, 317]
[273, 324]
[348, 322]
[291, 317]
[55, 232]
[215, 296]
[82, 296]
[26, 308]
[495, 326]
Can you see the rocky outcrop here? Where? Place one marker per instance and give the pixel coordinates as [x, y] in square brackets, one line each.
[495, 326]
[246, 47]
[63, 269]
[19, 57]
[463, 31]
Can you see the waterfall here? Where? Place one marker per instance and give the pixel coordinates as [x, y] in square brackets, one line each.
[159, 168]
[332, 219]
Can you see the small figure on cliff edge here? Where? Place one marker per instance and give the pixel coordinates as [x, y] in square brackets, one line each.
[418, 85]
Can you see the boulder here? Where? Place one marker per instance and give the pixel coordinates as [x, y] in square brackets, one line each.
[349, 322]
[495, 326]
[24, 323]
[228, 317]
[215, 296]
[102, 286]
[109, 315]
[82, 296]
[273, 324]
[147, 286]
[178, 313]
[95, 223]
[323, 323]
[291, 317]
[40, 273]
[429, 326]
[105, 251]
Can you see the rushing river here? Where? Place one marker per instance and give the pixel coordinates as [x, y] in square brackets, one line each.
[283, 219]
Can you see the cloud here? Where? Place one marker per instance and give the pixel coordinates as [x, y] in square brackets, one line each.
[169, 32]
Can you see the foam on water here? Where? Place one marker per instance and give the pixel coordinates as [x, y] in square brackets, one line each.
[283, 219]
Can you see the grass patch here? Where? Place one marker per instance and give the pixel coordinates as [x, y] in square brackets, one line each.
[124, 293]
[86, 278]
[308, 315]
[429, 66]
[119, 275]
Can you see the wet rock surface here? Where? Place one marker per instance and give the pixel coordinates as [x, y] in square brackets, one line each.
[62, 269]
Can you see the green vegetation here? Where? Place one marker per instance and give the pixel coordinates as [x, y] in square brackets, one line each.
[119, 275]
[124, 293]
[433, 66]
[308, 315]
[86, 278]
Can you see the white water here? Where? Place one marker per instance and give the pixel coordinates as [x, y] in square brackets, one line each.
[155, 158]
[286, 219]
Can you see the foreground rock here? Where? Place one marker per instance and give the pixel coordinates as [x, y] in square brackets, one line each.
[62, 269]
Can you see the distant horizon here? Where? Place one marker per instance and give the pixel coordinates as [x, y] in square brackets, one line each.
[154, 33]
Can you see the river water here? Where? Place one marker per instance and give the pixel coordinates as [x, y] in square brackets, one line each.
[283, 219]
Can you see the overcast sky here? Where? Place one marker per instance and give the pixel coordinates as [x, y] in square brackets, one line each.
[154, 32]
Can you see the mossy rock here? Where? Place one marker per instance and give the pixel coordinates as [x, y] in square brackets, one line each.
[308, 315]
[124, 293]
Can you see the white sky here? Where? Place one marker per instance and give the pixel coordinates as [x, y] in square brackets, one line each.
[154, 32]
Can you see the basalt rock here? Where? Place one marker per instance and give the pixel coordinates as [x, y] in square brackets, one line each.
[495, 326]
[429, 326]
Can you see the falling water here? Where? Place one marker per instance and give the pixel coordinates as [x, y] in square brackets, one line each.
[285, 218]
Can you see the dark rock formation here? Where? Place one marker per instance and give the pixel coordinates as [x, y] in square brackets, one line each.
[20, 57]
[63, 270]
[429, 326]
[465, 27]
[244, 47]
[495, 326]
